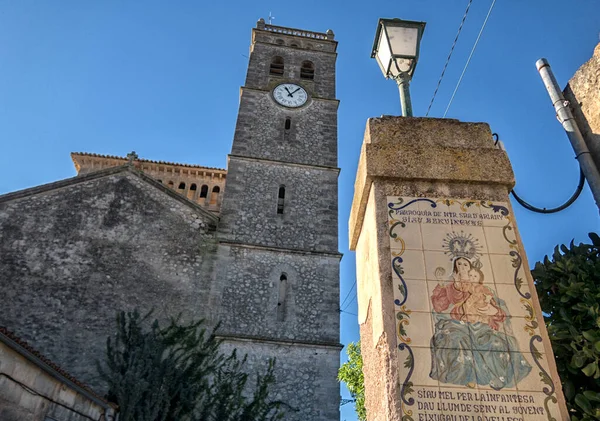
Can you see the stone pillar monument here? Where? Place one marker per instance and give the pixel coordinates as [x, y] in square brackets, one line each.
[450, 324]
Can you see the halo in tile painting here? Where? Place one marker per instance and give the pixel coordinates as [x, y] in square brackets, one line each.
[461, 245]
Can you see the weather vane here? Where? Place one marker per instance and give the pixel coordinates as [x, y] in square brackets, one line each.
[271, 17]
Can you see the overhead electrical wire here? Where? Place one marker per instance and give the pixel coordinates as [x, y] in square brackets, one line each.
[349, 302]
[470, 56]
[462, 22]
[348, 295]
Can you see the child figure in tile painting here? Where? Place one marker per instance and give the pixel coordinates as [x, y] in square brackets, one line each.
[481, 306]
[469, 345]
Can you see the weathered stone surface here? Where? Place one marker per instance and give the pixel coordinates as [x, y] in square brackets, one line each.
[251, 278]
[583, 93]
[72, 257]
[278, 273]
[397, 148]
[202, 185]
[261, 133]
[75, 252]
[306, 375]
[294, 50]
[410, 227]
[309, 219]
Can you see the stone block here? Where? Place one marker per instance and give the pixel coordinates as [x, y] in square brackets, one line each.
[426, 149]
[582, 94]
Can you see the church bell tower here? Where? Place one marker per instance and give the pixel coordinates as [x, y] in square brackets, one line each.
[277, 273]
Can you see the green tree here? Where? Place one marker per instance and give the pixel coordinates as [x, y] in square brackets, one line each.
[178, 373]
[351, 373]
[568, 285]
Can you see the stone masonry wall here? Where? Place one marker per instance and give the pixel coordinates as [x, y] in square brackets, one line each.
[260, 131]
[317, 51]
[249, 211]
[251, 294]
[71, 257]
[306, 376]
[583, 92]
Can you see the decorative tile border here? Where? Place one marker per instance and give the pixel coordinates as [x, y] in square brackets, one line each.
[475, 355]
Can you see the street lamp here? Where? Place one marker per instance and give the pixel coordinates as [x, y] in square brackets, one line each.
[396, 49]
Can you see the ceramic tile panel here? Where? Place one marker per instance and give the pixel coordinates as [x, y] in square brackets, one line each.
[414, 329]
[539, 371]
[431, 236]
[513, 300]
[417, 297]
[464, 313]
[419, 401]
[525, 331]
[408, 264]
[538, 406]
[421, 368]
[508, 268]
[499, 240]
[405, 232]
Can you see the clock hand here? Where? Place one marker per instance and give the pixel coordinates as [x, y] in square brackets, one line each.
[295, 91]
[288, 91]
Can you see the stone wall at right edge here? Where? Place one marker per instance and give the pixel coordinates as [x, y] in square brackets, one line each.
[305, 376]
[583, 92]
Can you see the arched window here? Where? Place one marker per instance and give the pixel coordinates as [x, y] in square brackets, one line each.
[277, 66]
[214, 196]
[293, 44]
[307, 71]
[279, 41]
[203, 191]
[281, 297]
[280, 200]
[191, 192]
[288, 123]
[171, 184]
[181, 186]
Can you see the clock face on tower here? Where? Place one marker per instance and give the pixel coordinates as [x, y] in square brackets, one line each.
[290, 95]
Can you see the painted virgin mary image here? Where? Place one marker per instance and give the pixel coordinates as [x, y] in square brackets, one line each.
[469, 344]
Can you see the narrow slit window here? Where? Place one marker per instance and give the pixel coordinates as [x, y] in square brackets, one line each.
[277, 66]
[281, 297]
[214, 196]
[203, 191]
[288, 123]
[280, 200]
[307, 71]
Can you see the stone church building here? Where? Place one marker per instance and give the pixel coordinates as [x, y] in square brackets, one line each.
[254, 246]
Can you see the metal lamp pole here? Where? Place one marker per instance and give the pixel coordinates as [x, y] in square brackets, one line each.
[565, 117]
[403, 82]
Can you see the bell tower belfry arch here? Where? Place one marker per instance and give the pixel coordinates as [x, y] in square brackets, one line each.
[276, 279]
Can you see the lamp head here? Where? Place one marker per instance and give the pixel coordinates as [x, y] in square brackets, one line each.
[396, 47]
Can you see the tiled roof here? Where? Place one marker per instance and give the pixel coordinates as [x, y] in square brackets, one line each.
[95, 155]
[46, 361]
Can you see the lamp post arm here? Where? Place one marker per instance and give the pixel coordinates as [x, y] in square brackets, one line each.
[403, 82]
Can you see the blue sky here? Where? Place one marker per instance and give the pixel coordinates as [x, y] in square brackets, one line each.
[162, 78]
